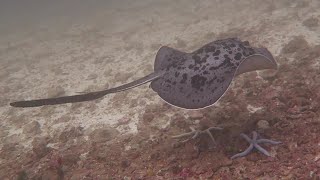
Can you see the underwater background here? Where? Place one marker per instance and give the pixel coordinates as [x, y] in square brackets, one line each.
[56, 48]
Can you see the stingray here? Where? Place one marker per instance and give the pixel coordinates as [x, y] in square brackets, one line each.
[189, 80]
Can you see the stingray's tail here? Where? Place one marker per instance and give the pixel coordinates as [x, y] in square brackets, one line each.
[88, 96]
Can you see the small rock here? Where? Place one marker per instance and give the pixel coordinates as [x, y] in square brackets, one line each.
[40, 147]
[311, 22]
[162, 172]
[125, 163]
[185, 173]
[122, 77]
[253, 109]
[172, 159]
[127, 178]
[162, 123]
[92, 76]
[263, 124]
[32, 128]
[103, 134]
[272, 93]
[56, 91]
[155, 156]
[72, 133]
[70, 159]
[148, 117]
[317, 157]
[175, 169]
[65, 118]
[207, 175]
[150, 172]
[292, 146]
[123, 121]
[119, 99]
[22, 175]
[181, 43]
[195, 114]
[177, 120]
[224, 170]
[268, 74]
[298, 43]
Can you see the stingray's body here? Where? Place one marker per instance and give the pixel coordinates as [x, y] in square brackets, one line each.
[187, 80]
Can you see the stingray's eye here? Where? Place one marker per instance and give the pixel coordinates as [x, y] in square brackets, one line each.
[246, 43]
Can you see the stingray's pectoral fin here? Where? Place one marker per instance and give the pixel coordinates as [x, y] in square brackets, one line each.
[260, 60]
[59, 100]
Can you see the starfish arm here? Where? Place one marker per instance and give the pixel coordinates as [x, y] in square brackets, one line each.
[210, 135]
[246, 137]
[268, 141]
[215, 128]
[261, 149]
[196, 134]
[254, 136]
[183, 135]
[186, 140]
[244, 153]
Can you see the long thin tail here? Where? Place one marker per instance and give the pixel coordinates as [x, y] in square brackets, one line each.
[88, 96]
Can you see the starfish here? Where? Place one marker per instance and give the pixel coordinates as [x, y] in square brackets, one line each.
[195, 133]
[254, 143]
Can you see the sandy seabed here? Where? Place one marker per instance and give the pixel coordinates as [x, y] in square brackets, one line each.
[92, 46]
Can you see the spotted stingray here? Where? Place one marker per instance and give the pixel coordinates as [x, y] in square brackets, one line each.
[187, 80]
[191, 80]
